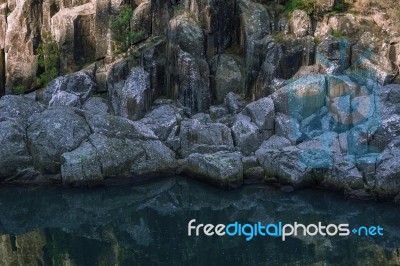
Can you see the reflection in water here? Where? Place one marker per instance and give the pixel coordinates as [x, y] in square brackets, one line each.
[147, 225]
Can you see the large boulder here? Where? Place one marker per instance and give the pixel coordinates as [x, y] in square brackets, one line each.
[81, 167]
[70, 90]
[14, 154]
[134, 98]
[262, 113]
[19, 108]
[97, 105]
[300, 24]
[197, 137]
[246, 136]
[302, 97]
[52, 133]
[162, 119]
[118, 127]
[222, 169]
[158, 161]
[226, 76]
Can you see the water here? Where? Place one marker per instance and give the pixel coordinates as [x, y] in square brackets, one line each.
[147, 225]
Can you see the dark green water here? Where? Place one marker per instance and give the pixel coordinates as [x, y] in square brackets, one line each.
[147, 225]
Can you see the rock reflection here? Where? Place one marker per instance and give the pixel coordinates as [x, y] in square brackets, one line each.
[147, 224]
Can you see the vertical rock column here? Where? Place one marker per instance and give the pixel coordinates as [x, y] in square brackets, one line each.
[3, 27]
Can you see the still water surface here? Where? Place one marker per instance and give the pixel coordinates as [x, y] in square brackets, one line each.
[147, 225]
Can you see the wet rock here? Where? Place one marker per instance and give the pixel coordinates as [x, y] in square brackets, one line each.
[246, 136]
[256, 173]
[19, 108]
[14, 154]
[162, 119]
[81, 167]
[226, 76]
[52, 133]
[79, 85]
[360, 194]
[134, 98]
[97, 105]
[197, 137]
[222, 169]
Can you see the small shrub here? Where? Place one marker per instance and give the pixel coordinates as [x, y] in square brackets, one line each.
[337, 34]
[306, 5]
[48, 59]
[19, 89]
[122, 35]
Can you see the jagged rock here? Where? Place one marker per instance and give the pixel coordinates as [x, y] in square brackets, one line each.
[300, 24]
[246, 136]
[262, 113]
[233, 103]
[118, 127]
[226, 77]
[302, 97]
[14, 154]
[52, 133]
[97, 105]
[222, 169]
[204, 138]
[81, 167]
[162, 119]
[288, 127]
[134, 98]
[19, 108]
[117, 75]
[78, 86]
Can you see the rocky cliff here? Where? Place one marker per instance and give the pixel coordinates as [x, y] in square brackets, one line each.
[223, 91]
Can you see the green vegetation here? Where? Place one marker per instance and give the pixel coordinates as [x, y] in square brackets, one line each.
[306, 5]
[122, 35]
[19, 89]
[48, 59]
[337, 34]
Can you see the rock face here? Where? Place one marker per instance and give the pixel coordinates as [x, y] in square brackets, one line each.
[220, 90]
[134, 98]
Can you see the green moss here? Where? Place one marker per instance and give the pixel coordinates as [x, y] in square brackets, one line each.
[337, 34]
[307, 5]
[48, 59]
